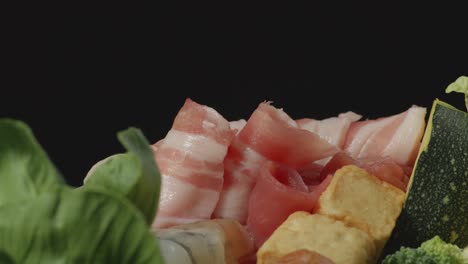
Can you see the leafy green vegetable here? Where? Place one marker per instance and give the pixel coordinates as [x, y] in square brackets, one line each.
[5, 259]
[461, 86]
[76, 226]
[133, 174]
[42, 220]
[434, 251]
[25, 169]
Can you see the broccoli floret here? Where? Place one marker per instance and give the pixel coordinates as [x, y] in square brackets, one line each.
[465, 254]
[433, 251]
[442, 252]
[409, 256]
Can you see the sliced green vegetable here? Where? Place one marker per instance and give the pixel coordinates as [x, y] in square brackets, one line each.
[133, 174]
[436, 203]
[461, 86]
[25, 169]
[76, 226]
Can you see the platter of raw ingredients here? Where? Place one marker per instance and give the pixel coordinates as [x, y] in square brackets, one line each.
[269, 188]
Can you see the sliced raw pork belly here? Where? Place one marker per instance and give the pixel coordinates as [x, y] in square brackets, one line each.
[238, 125]
[156, 145]
[269, 135]
[398, 136]
[273, 134]
[241, 167]
[383, 168]
[190, 159]
[333, 129]
[279, 192]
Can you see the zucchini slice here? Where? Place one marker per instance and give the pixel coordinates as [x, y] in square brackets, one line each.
[437, 198]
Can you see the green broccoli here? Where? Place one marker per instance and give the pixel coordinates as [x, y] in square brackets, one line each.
[443, 252]
[408, 256]
[465, 254]
[434, 251]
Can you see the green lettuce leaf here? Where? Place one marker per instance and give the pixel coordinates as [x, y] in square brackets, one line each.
[25, 169]
[461, 86]
[5, 259]
[76, 226]
[133, 175]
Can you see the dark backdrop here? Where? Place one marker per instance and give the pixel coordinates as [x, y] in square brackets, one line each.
[86, 74]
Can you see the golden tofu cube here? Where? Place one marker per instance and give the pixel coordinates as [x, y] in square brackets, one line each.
[324, 235]
[363, 201]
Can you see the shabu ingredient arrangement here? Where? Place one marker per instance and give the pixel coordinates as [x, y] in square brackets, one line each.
[266, 189]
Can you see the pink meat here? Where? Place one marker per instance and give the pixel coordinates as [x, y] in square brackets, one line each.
[241, 167]
[269, 135]
[383, 168]
[238, 125]
[156, 145]
[333, 129]
[397, 136]
[273, 134]
[278, 193]
[190, 159]
[311, 173]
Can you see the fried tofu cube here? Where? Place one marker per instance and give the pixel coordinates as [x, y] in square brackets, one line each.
[363, 201]
[317, 233]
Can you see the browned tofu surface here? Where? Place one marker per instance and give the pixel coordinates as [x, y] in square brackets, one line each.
[363, 201]
[324, 235]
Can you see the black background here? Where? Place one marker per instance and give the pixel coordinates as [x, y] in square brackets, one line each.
[85, 73]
